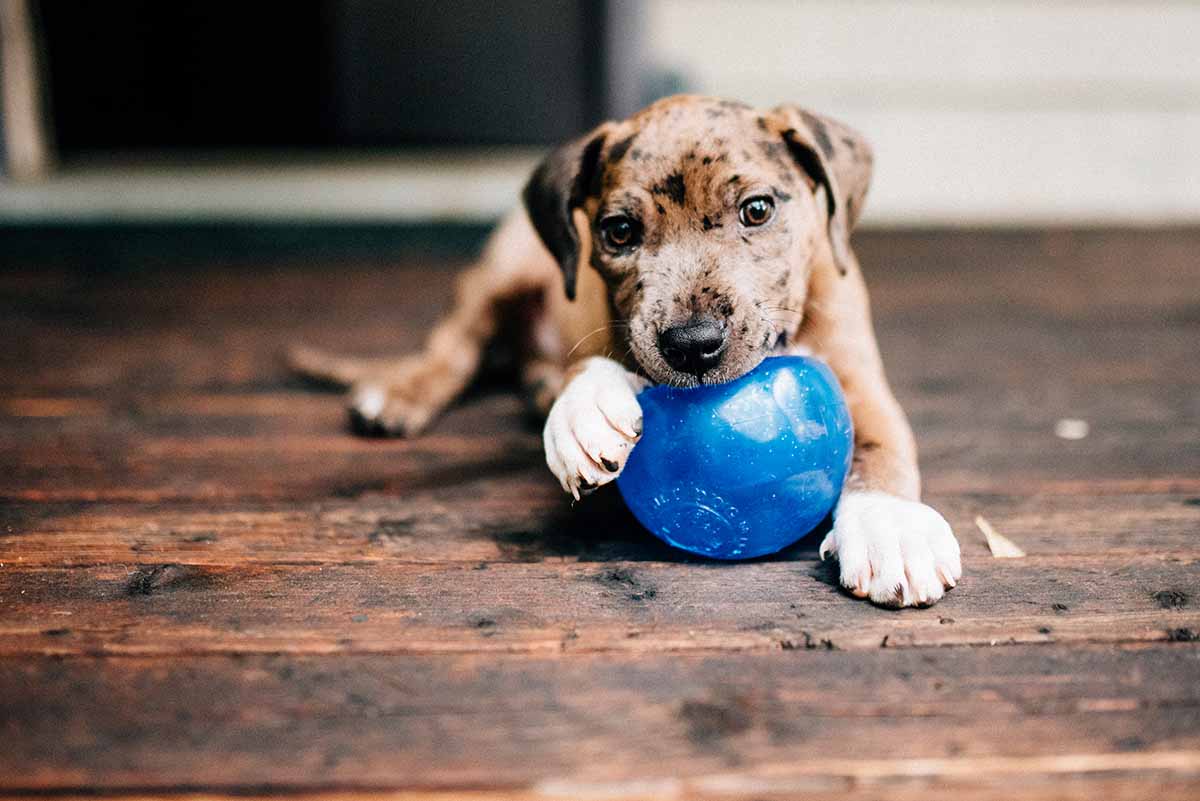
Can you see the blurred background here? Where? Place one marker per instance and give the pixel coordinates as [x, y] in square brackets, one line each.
[991, 112]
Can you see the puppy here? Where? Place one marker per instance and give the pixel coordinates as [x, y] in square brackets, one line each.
[682, 246]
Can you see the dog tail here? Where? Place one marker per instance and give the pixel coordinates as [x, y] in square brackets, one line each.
[330, 368]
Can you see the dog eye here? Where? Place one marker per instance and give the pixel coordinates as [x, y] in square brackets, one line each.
[756, 211]
[620, 232]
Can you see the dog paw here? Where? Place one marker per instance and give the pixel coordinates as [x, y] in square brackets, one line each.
[592, 427]
[894, 551]
[377, 410]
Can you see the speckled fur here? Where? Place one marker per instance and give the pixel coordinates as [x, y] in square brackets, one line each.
[680, 168]
[593, 316]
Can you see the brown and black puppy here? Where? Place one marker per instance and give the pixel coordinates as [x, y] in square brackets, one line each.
[683, 246]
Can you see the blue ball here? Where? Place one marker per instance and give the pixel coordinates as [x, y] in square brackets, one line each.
[742, 469]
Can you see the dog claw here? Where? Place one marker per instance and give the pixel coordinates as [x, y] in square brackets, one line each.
[372, 426]
[362, 425]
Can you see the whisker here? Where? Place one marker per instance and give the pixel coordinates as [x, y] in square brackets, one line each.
[787, 309]
[591, 334]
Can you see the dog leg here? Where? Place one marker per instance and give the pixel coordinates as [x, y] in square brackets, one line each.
[400, 397]
[891, 548]
[542, 380]
[593, 425]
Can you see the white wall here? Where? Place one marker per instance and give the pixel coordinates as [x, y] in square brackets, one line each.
[981, 112]
[985, 111]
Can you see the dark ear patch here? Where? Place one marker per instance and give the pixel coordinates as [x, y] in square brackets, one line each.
[559, 185]
[812, 164]
[619, 149]
[843, 169]
[587, 182]
[820, 132]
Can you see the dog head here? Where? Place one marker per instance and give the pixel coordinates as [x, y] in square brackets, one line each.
[705, 219]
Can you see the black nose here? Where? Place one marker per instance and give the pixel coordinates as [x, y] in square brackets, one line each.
[694, 347]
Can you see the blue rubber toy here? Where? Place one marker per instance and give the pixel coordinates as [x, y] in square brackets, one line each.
[743, 469]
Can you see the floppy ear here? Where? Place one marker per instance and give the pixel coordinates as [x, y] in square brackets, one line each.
[560, 184]
[837, 157]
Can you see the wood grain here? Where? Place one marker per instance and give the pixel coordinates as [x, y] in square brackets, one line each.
[209, 590]
[866, 720]
[488, 520]
[550, 607]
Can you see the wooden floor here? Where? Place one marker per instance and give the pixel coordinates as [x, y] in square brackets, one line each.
[207, 586]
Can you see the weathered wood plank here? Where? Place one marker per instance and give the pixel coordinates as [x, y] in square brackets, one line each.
[931, 348]
[226, 460]
[1123, 779]
[550, 607]
[156, 386]
[172, 497]
[523, 518]
[1027, 318]
[658, 726]
[1012, 778]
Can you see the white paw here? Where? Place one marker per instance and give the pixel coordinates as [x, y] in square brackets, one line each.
[894, 551]
[592, 426]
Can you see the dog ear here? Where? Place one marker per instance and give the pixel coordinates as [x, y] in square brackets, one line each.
[836, 157]
[559, 186]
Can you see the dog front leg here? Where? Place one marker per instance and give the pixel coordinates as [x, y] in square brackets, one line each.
[593, 425]
[890, 547]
